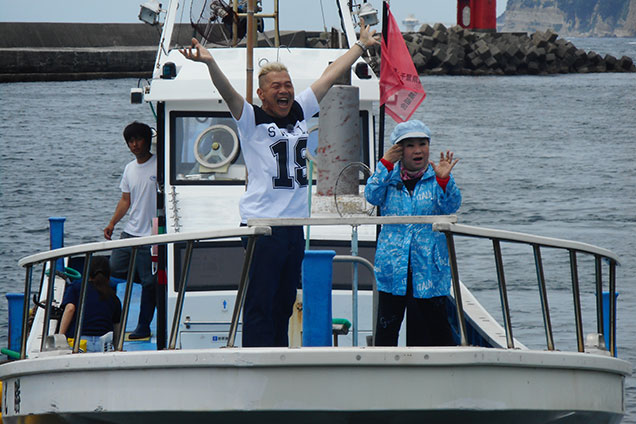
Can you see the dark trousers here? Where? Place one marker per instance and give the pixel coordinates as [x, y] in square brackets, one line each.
[273, 279]
[426, 320]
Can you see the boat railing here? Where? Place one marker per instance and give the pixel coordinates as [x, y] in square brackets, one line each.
[354, 222]
[51, 258]
[445, 224]
[451, 230]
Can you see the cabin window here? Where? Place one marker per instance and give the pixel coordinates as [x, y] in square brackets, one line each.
[204, 147]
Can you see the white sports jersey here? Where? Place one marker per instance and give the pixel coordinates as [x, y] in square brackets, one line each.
[140, 180]
[274, 151]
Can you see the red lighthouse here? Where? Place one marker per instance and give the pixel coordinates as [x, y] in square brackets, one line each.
[478, 15]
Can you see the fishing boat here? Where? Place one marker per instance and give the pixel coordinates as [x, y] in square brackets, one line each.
[194, 368]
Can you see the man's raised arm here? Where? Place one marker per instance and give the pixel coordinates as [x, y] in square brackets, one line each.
[234, 100]
[344, 62]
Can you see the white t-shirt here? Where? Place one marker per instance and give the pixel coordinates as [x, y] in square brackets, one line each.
[274, 151]
[140, 180]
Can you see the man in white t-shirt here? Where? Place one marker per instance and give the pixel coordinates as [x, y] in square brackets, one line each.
[273, 141]
[139, 196]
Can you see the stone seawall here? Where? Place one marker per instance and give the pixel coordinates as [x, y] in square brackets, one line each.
[53, 51]
[437, 50]
[75, 51]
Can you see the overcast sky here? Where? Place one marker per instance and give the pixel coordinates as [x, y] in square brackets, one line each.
[295, 14]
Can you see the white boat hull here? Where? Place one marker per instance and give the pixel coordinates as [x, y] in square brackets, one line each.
[311, 385]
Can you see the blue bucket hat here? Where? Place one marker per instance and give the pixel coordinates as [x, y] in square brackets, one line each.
[410, 129]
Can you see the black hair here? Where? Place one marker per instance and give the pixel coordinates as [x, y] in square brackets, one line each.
[99, 277]
[138, 130]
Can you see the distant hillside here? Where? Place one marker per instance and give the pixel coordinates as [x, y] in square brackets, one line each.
[595, 18]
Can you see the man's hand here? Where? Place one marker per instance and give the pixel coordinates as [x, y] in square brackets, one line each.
[367, 37]
[196, 52]
[108, 231]
[445, 165]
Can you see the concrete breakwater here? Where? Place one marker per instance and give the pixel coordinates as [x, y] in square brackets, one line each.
[77, 51]
[54, 51]
[437, 50]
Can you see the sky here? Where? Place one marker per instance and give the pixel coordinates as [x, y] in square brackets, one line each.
[294, 14]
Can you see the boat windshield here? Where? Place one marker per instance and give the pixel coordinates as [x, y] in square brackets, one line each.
[205, 147]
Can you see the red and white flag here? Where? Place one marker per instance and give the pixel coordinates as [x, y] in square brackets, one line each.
[400, 88]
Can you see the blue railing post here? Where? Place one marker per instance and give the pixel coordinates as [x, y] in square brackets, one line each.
[606, 320]
[317, 316]
[16, 308]
[56, 235]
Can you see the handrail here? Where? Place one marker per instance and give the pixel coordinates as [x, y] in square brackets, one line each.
[363, 261]
[364, 220]
[498, 236]
[444, 223]
[90, 248]
[512, 236]
[142, 241]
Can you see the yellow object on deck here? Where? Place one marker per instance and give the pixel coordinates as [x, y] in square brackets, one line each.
[82, 343]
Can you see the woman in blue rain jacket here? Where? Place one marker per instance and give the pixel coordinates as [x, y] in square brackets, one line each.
[411, 262]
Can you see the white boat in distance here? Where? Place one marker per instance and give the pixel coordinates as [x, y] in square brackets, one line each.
[200, 373]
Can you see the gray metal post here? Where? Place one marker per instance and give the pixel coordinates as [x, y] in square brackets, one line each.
[456, 288]
[599, 295]
[25, 310]
[242, 291]
[79, 314]
[544, 296]
[178, 307]
[577, 302]
[354, 285]
[612, 307]
[128, 293]
[503, 293]
[49, 302]
[338, 142]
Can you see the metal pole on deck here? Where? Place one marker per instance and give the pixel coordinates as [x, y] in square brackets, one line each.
[385, 17]
[544, 297]
[79, 315]
[25, 310]
[249, 66]
[354, 285]
[127, 295]
[162, 283]
[242, 290]
[49, 301]
[457, 289]
[178, 308]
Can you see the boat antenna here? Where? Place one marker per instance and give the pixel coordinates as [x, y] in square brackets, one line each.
[322, 10]
[249, 66]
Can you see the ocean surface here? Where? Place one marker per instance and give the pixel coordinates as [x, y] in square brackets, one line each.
[547, 155]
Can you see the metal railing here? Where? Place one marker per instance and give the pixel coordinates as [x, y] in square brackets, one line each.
[258, 227]
[451, 230]
[354, 223]
[89, 249]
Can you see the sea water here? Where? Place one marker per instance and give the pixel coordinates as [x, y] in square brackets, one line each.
[547, 155]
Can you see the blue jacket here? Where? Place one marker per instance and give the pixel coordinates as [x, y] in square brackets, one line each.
[428, 249]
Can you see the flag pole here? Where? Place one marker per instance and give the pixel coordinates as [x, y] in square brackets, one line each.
[382, 106]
